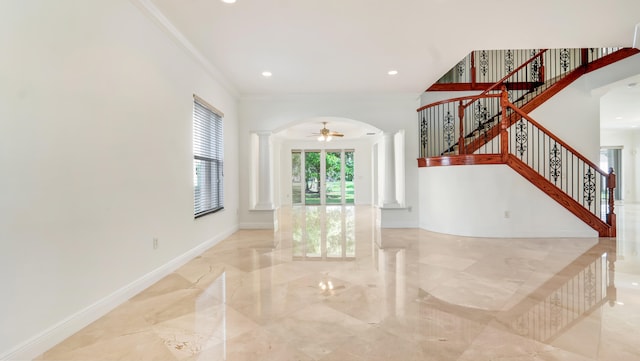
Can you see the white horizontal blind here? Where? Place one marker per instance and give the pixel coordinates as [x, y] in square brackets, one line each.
[207, 158]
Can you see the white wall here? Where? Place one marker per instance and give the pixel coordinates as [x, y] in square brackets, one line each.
[574, 116]
[96, 160]
[629, 140]
[389, 113]
[491, 201]
[431, 97]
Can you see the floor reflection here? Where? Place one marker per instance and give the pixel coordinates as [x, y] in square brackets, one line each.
[323, 233]
[554, 308]
[400, 294]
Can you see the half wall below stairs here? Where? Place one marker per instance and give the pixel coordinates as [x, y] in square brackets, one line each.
[491, 201]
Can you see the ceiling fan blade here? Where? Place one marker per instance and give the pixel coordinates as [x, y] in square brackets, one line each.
[336, 134]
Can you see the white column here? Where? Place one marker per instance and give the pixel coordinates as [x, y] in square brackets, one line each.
[389, 195]
[265, 195]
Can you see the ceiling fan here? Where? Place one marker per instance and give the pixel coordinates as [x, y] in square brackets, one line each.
[326, 135]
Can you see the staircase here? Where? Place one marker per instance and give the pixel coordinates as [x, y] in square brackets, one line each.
[494, 126]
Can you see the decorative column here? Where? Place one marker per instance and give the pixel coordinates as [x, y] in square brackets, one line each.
[389, 196]
[265, 195]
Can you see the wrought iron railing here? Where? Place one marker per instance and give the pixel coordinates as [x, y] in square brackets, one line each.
[546, 160]
[466, 125]
[489, 66]
[559, 163]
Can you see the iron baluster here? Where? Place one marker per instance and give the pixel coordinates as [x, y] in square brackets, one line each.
[565, 59]
[555, 162]
[589, 187]
[449, 129]
[423, 135]
[521, 137]
[484, 63]
[508, 61]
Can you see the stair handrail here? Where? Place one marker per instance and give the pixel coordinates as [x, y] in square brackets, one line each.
[473, 98]
[550, 134]
[484, 95]
[457, 100]
[440, 136]
[609, 176]
[501, 81]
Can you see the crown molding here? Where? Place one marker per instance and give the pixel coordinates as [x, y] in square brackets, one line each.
[152, 12]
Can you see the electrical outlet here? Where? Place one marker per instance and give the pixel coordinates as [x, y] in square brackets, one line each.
[155, 242]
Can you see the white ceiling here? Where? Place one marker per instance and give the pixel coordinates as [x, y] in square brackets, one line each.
[348, 46]
[352, 129]
[620, 106]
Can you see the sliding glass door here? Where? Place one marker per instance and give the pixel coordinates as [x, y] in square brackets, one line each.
[333, 177]
[312, 176]
[349, 191]
[296, 177]
[321, 177]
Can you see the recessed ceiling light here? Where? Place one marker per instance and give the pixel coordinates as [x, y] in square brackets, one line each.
[618, 118]
[392, 72]
[266, 74]
[228, 1]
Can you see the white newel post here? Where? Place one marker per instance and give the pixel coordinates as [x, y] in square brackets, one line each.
[389, 196]
[265, 194]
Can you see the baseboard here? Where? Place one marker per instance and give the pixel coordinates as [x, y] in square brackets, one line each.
[57, 333]
[396, 217]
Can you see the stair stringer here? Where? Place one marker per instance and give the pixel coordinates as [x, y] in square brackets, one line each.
[603, 229]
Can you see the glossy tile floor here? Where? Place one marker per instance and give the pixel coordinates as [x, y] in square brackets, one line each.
[329, 285]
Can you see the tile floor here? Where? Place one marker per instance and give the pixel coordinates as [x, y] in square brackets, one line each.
[329, 285]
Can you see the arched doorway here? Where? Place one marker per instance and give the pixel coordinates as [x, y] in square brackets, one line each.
[320, 172]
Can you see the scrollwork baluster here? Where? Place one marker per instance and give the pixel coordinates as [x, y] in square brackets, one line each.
[589, 187]
[484, 62]
[424, 135]
[555, 162]
[449, 129]
[565, 59]
[508, 61]
[521, 137]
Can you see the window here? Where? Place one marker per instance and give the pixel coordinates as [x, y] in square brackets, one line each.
[611, 157]
[207, 158]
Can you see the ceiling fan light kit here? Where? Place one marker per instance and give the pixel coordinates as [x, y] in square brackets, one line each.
[326, 135]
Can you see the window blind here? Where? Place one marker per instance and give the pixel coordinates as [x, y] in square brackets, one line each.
[207, 158]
